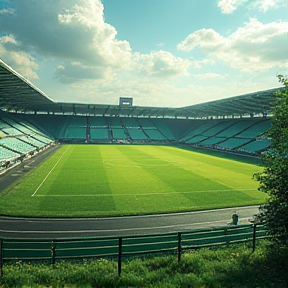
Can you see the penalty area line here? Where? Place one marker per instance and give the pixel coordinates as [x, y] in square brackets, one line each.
[49, 173]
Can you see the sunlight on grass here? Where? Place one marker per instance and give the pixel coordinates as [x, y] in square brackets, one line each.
[102, 180]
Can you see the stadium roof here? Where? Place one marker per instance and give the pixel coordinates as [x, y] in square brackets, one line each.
[18, 94]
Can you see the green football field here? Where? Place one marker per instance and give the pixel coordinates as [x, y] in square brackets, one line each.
[102, 180]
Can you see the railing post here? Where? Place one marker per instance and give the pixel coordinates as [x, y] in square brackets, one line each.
[226, 232]
[53, 252]
[120, 256]
[1, 257]
[254, 236]
[179, 247]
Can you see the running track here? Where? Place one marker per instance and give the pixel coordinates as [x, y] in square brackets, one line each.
[44, 228]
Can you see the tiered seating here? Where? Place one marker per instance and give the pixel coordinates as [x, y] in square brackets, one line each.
[32, 141]
[117, 128]
[236, 128]
[7, 154]
[213, 141]
[97, 122]
[136, 134]
[99, 134]
[256, 130]
[7, 129]
[77, 128]
[154, 134]
[114, 122]
[42, 139]
[255, 146]
[49, 125]
[98, 128]
[214, 130]
[233, 143]
[17, 145]
[196, 139]
[163, 128]
[230, 134]
[130, 123]
[150, 130]
[76, 132]
[200, 129]
[145, 123]
[119, 133]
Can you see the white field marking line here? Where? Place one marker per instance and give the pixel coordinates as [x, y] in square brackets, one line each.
[139, 165]
[49, 173]
[117, 230]
[144, 194]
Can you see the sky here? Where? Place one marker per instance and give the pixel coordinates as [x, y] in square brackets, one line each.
[163, 53]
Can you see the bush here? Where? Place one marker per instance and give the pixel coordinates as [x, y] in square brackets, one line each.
[234, 266]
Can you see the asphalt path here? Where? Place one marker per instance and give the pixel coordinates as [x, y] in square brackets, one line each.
[15, 173]
[47, 228]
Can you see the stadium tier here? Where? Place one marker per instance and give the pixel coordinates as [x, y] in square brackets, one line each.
[31, 121]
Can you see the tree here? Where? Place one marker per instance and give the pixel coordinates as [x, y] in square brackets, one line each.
[274, 178]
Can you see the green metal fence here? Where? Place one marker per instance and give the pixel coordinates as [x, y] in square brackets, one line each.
[118, 247]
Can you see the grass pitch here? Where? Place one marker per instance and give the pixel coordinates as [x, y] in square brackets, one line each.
[102, 180]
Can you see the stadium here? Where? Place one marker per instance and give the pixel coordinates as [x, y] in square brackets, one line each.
[106, 181]
[160, 145]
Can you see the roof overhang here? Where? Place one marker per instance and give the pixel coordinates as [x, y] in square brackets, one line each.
[17, 94]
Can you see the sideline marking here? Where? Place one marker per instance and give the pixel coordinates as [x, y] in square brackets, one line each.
[144, 194]
[49, 173]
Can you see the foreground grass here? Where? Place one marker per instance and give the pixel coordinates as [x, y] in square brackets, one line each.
[233, 266]
[115, 180]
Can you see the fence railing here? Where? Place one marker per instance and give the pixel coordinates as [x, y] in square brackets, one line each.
[128, 246]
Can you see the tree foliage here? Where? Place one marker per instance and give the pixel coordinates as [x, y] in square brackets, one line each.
[274, 178]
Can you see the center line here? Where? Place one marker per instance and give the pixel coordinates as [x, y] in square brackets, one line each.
[49, 173]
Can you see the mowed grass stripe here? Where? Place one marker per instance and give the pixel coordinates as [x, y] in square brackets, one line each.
[81, 173]
[49, 173]
[173, 175]
[232, 174]
[132, 177]
[129, 180]
[134, 182]
[179, 179]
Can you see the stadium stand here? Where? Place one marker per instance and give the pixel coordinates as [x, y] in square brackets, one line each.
[155, 135]
[99, 134]
[118, 134]
[31, 121]
[164, 129]
[259, 128]
[97, 122]
[255, 146]
[136, 134]
[200, 129]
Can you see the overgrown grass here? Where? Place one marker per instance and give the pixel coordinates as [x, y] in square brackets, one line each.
[233, 266]
[102, 180]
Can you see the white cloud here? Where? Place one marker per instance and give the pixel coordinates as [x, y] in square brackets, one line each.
[200, 63]
[255, 46]
[208, 76]
[22, 62]
[70, 30]
[163, 64]
[75, 33]
[203, 37]
[228, 6]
